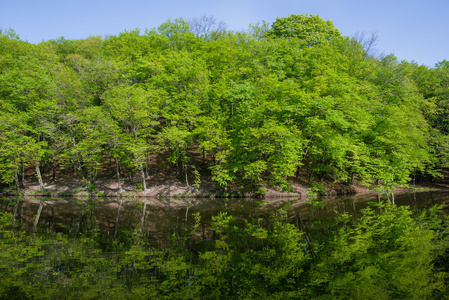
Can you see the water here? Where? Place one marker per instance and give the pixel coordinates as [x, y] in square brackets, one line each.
[222, 248]
[162, 217]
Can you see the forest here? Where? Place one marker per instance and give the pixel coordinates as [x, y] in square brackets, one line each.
[243, 108]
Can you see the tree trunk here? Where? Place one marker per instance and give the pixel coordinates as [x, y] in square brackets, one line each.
[39, 177]
[147, 165]
[80, 169]
[16, 178]
[76, 172]
[142, 173]
[117, 165]
[53, 176]
[23, 175]
[92, 177]
[78, 161]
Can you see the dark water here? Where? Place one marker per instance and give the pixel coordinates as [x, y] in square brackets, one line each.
[157, 218]
[224, 248]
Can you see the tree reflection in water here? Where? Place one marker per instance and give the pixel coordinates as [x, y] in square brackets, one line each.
[237, 249]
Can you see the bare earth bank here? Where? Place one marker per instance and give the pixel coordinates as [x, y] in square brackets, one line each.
[173, 188]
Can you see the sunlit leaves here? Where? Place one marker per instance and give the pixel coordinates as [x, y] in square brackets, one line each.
[310, 30]
[255, 106]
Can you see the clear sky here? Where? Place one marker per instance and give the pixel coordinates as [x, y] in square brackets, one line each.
[415, 30]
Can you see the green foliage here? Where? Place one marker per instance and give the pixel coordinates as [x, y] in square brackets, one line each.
[256, 105]
[310, 30]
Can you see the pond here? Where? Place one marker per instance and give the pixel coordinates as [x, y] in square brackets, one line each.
[345, 247]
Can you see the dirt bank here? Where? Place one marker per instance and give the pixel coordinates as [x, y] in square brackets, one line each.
[172, 189]
[161, 185]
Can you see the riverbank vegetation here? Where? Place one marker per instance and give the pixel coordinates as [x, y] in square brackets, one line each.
[245, 109]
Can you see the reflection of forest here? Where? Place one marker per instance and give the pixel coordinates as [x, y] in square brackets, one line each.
[156, 219]
[238, 249]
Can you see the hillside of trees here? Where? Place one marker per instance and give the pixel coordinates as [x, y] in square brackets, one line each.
[247, 109]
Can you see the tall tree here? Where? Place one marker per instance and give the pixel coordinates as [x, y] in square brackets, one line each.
[136, 110]
[311, 30]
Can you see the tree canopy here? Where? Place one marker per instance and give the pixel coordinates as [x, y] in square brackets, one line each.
[246, 109]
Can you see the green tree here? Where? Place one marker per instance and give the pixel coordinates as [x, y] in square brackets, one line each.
[27, 93]
[310, 30]
[136, 111]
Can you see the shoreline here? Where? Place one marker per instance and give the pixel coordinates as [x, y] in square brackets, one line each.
[167, 186]
[209, 191]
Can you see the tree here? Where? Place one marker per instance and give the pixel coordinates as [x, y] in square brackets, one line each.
[310, 30]
[27, 92]
[176, 33]
[206, 26]
[259, 30]
[136, 110]
[15, 143]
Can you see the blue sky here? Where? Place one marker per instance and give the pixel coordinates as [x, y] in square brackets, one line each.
[412, 30]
